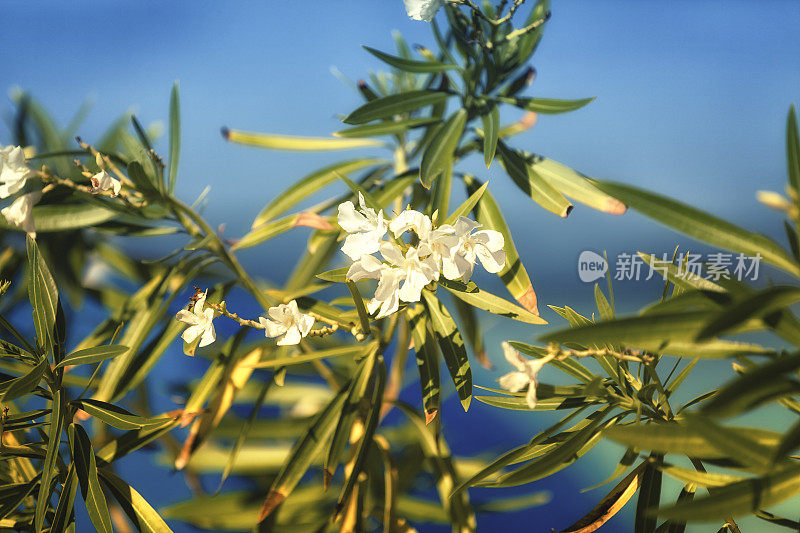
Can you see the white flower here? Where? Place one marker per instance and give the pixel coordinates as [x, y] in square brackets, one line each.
[422, 9]
[466, 246]
[434, 240]
[20, 213]
[287, 321]
[200, 323]
[403, 278]
[524, 376]
[365, 226]
[102, 181]
[13, 170]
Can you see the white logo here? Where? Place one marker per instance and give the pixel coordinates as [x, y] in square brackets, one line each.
[591, 266]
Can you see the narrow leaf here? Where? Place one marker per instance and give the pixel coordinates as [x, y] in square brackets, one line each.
[452, 346]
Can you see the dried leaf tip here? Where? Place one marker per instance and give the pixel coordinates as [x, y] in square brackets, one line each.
[273, 500]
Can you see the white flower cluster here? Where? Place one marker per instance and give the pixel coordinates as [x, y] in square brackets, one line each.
[422, 9]
[287, 322]
[448, 250]
[14, 173]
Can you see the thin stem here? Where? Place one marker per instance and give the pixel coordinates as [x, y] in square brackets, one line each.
[222, 252]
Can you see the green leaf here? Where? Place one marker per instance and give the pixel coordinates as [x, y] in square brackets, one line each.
[793, 150]
[115, 416]
[65, 511]
[514, 403]
[514, 275]
[649, 497]
[42, 294]
[540, 190]
[409, 65]
[548, 105]
[50, 218]
[754, 387]
[489, 302]
[265, 232]
[559, 458]
[734, 443]
[681, 439]
[388, 127]
[670, 333]
[438, 156]
[366, 443]
[702, 479]
[427, 362]
[301, 456]
[133, 440]
[452, 346]
[48, 467]
[294, 143]
[308, 185]
[92, 355]
[518, 454]
[395, 104]
[26, 384]
[575, 185]
[700, 225]
[12, 495]
[358, 301]
[244, 431]
[86, 467]
[337, 275]
[789, 442]
[468, 205]
[141, 181]
[355, 350]
[491, 129]
[174, 136]
[740, 498]
[753, 306]
[140, 513]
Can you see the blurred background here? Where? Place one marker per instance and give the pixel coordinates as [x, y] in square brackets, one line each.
[691, 102]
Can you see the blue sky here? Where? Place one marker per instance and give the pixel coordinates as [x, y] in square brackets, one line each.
[691, 96]
[691, 100]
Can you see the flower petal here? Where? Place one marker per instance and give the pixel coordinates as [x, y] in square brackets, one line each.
[189, 318]
[514, 381]
[209, 335]
[364, 243]
[349, 219]
[291, 337]
[513, 357]
[530, 398]
[271, 329]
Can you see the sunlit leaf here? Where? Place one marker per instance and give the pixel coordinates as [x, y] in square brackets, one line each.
[300, 144]
[395, 104]
[452, 347]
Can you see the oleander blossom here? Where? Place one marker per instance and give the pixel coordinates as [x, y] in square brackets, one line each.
[402, 277]
[365, 226]
[422, 9]
[404, 269]
[524, 375]
[200, 323]
[20, 213]
[103, 181]
[13, 170]
[288, 324]
[467, 246]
